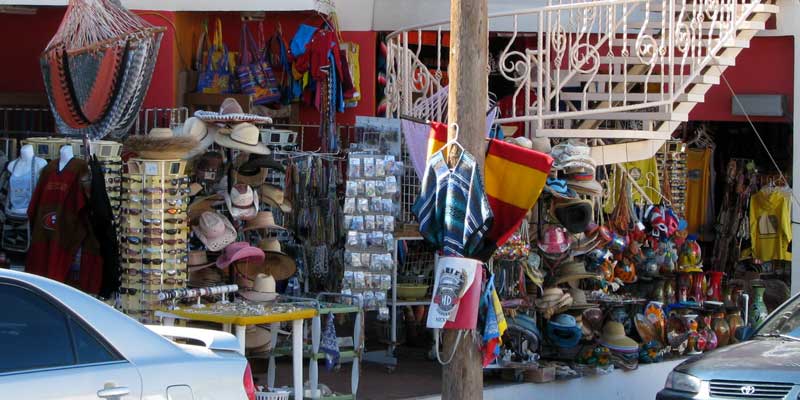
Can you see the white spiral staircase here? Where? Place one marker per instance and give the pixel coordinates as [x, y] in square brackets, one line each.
[622, 73]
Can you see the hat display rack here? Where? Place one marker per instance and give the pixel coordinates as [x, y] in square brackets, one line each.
[153, 233]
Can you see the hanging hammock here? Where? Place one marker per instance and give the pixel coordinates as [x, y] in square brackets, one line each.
[98, 66]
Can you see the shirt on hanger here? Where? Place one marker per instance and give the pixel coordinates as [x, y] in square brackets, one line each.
[699, 192]
[452, 209]
[770, 226]
[645, 173]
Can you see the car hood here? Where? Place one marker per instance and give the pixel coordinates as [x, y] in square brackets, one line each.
[763, 359]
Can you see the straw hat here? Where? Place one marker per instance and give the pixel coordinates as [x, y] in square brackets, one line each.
[242, 202]
[553, 300]
[161, 144]
[240, 251]
[572, 155]
[263, 220]
[579, 300]
[589, 187]
[231, 112]
[198, 259]
[277, 263]
[214, 230]
[615, 339]
[245, 137]
[197, 129]
[274, 197]
[257, 339]
[572, 271]
[205, 277]
[261, 289]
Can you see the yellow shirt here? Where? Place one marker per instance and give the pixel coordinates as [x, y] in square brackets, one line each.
[698, 193]
[645, 173]
[770, 226]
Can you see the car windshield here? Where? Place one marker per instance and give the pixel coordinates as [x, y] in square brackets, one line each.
[785, 321]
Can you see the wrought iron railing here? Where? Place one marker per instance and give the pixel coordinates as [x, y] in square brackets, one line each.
[629, 60]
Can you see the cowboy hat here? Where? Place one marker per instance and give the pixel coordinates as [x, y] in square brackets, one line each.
[253, 178]
[245, 137]
[203, 204]
[240, 251]
[277, 263]
[263, 220]
[161, 144]
[197, 129]
[553, 301]
[205, 277]
[214, 230]
[231, 112]
[554, 240]
[589, 187]
[261, 289]
[575, 215]
[572, 271]
[198, 259]
[208, 168]
[242, 202]
[258, 339]
[563, 331]
[257, 161]
[274, 197]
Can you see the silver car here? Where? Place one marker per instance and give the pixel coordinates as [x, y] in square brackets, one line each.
[765, 367]
[59, 343]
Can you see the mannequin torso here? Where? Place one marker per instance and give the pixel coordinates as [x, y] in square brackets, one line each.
[25, 172]
[65, 154]
[22, 165]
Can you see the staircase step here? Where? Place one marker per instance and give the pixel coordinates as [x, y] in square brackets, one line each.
[735, 43]
[655, 26]
[634, 116]
[631, 78]
[689, 8]
[630, 97]
[602, 134]
[727, 61]
[626, 152]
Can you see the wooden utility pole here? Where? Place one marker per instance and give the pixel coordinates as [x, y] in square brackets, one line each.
[462, 379]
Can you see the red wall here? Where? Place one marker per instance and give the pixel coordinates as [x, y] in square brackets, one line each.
[23, 37]
[767, 67]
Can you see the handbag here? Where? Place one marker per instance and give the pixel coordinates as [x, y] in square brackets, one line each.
[216, 77]
[278, 53]
[16, 235]
[255, 74]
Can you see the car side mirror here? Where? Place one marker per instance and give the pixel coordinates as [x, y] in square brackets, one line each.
[744, 333]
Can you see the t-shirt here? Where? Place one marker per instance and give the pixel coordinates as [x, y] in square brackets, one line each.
[699, 200]
[770, 226]
[645, 173]
[452, 209]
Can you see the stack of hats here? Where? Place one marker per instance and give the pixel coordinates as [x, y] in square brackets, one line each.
[624, 350]
[553, 301]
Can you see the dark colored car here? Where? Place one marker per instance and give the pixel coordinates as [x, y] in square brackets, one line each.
[767, 366]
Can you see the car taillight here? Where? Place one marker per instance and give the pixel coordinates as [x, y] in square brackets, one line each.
[249, 386]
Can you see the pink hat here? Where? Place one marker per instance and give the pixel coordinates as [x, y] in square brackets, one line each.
[554, 240]
[214, 230]
[240, 251]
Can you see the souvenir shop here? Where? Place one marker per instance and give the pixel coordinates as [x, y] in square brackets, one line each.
[224, 214]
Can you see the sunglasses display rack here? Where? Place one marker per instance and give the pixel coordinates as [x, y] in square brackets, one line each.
[153, 234]
[672, 161]
[108, 153]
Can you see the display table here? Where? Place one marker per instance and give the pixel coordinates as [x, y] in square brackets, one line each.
[240, 323]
